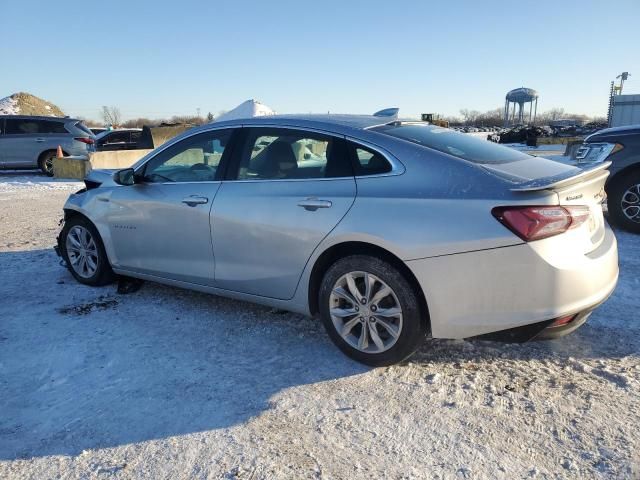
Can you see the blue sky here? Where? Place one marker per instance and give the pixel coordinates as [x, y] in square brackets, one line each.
[158, 59]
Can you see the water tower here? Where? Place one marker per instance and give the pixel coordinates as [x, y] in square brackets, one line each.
[519, 97]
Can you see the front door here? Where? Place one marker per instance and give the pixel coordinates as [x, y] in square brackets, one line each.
[161, 225]
[287, 190]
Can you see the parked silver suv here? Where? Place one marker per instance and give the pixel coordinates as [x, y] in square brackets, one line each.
[32, 142]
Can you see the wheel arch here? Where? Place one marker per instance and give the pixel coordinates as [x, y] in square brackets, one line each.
[620, 174]
[70, 213]
[50, 150]
[344, 249]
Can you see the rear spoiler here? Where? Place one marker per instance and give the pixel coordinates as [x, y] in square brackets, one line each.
[387, 112]
[559, 181]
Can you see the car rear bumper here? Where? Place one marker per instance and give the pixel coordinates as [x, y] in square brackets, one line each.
[505, 289]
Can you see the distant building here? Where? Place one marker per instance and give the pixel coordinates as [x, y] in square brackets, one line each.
[565, 122]
[625, 110]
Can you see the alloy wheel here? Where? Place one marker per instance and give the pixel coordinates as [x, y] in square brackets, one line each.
[82, 251]
[48, 165]
[630, 203]
[365, 312]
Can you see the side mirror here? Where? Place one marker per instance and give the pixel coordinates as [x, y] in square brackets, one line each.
[124, 177]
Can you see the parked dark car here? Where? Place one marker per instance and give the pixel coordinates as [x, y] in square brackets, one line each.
[118, 140]
[621, 146]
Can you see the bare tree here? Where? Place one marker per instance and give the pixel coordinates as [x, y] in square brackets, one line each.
[470, 116]
[111, 115]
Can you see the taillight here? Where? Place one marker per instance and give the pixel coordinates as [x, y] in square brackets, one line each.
[536, 223]
[87, 140]
[559, 322]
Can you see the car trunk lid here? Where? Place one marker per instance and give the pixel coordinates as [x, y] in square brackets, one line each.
[573, 187]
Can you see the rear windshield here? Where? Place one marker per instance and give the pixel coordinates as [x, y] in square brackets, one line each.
[84, 128]
[457, 144]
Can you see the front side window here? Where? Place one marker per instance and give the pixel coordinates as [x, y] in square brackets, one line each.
[287, 154]
[194, 159]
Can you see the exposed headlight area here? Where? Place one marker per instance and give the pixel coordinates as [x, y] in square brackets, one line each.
[597, 152]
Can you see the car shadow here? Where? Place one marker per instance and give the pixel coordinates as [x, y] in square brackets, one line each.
[85, 368]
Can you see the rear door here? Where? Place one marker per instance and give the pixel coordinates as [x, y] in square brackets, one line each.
[283, 194]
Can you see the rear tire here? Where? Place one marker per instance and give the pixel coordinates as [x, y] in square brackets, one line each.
[378, 326]
[84, 253]
[45, 162]
[623, 201]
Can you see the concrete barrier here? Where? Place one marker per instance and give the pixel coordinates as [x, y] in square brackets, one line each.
[116, 159]
[71, 167]
[557, 140]
[78, 167]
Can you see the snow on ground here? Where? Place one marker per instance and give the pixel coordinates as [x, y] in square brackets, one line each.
[166, 383]
[9, 106]
[15, 181]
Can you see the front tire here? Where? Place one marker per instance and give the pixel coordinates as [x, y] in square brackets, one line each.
[45, 162]
[370, 311]
[84, 253]
[623, 202]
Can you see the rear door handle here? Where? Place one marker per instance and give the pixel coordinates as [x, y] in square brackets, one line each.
[39, 140]
[312, 204]
[194, 200]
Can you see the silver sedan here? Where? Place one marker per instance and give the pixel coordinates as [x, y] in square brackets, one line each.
[390, 231]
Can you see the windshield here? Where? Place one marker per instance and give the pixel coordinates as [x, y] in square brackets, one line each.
[457, 144]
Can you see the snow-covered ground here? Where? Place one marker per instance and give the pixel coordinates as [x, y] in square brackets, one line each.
[166, 383]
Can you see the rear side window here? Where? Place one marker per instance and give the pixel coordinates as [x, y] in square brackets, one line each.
[368, 162]
[457, 144]
[51, 127]
[33, 127]
[81, 126]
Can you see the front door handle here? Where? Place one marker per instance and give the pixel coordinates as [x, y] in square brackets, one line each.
[312, 204]
[194, 200]
[39, 140]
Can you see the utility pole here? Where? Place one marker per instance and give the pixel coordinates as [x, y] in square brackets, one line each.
[616, 90]
[623, 76]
